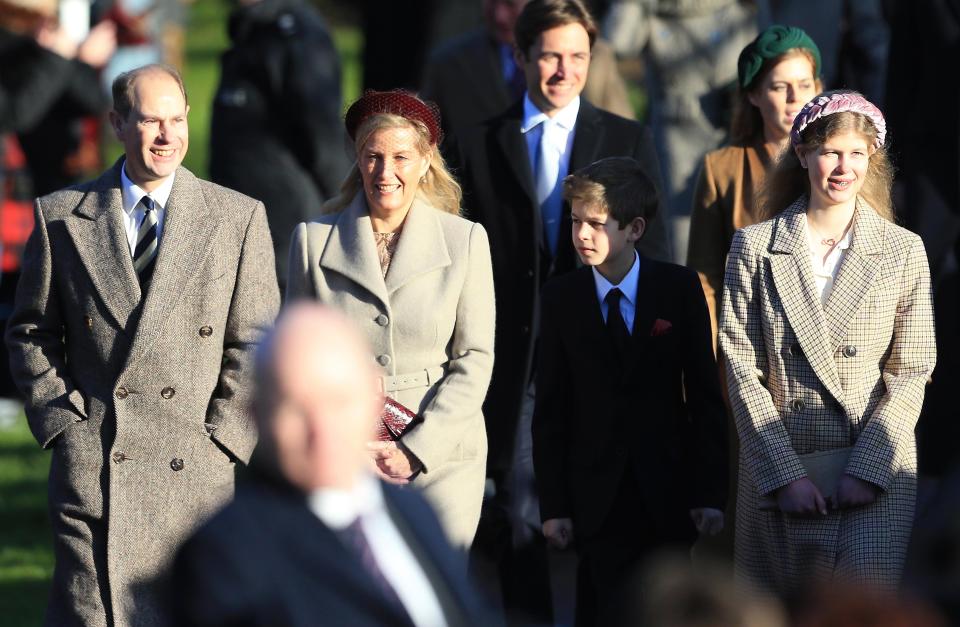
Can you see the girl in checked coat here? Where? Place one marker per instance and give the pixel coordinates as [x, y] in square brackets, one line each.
[827, 329]
[416, 278]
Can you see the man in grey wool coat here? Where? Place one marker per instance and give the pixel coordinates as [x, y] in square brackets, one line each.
[142, 296]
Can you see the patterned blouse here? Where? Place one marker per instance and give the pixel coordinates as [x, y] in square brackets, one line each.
[386, 246]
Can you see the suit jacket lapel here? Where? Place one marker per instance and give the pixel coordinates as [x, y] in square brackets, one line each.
[352, 252]
[594, 331]
[184, 244]
[421, 249]
[859, 265]
[793, 277]
[101, 242]
[644, 315]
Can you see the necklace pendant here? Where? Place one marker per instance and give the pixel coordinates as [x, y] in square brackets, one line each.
[829, 242]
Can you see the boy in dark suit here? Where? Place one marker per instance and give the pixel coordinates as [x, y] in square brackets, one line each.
[629, 438]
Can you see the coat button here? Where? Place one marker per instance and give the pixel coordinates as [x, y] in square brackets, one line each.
[797, 404]
[850, 350]
[525, 329]
[383, 360]
[206, 331]
[176, 464]
[382, 320]
[167, 392]
[88, 321]
[529, 274]
[121, 392]
[119, 456]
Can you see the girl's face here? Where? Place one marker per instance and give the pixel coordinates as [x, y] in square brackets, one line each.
[837, 169]
[781, 95]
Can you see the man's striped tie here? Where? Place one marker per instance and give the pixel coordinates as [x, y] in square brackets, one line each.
[145, 254]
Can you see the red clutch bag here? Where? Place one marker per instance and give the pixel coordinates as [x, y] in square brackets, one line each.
[395, 420]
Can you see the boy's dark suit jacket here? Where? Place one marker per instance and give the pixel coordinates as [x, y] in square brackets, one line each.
[266, 559]
[493, 166]
[660, 417]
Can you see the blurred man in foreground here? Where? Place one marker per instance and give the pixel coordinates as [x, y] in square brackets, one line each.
[316, 539]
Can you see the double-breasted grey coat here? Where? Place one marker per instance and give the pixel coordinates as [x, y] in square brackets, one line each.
[140, 399]
[430, 321]
[805, 377]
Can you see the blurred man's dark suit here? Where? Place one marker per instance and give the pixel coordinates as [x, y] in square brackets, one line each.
[268, 560]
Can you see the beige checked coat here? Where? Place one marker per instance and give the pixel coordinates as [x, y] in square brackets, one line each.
[138, 400]
[803, 377]
[433, 312]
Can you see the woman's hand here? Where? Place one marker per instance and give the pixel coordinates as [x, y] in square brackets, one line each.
[801, 498]
[394, 464]
[853, 492]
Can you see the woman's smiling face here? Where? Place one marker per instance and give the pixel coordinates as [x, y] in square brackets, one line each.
[391, 166]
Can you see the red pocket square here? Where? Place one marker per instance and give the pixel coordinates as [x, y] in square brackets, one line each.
[661, 327]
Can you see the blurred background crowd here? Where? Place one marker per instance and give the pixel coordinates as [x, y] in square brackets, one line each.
[268, 82]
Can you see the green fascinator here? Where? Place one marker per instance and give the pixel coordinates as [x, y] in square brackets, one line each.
[770, 44]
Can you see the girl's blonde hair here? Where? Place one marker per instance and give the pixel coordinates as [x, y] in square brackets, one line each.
[437, 187]
[789, 180]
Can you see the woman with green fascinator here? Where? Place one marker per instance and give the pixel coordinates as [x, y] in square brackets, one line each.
[777, 74]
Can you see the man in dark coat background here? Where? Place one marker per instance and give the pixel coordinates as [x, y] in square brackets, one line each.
[315, 538]
[276, 132]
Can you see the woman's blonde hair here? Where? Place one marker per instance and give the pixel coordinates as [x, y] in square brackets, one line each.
[437, 187]
[746, 127]
[789, 180]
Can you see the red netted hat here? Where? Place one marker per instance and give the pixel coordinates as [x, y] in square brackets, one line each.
[398, 102]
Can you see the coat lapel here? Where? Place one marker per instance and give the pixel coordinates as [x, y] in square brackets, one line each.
[352, 252]
[99, 237]
[856, 273]
[793, 278]
[513, 147]
[184, 244]
[421, 249]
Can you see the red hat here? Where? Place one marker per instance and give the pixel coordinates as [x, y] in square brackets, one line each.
[397, 102]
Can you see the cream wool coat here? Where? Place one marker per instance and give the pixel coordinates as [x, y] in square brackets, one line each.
[433, 311]
[803, 377]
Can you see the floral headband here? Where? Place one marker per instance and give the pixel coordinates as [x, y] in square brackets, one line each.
[838, 102]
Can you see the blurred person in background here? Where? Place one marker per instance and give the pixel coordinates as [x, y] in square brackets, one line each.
[476, 76]
[393, 254]
[689, 49]
[276, 132]
[777, 74]
[314, 538]
[48, 89]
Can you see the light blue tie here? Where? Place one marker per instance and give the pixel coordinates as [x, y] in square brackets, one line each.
[549, 187]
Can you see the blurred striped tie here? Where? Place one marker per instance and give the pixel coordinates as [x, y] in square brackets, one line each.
[145, 254]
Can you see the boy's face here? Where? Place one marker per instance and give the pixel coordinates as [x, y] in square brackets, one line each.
[600, 241]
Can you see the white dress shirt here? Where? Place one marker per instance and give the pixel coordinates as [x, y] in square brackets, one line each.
[339, 508]
[825, 268]
[628, 286]
[133, 213]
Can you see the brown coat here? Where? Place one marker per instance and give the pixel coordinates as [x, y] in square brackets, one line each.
[722, 203]
[804, 377]
[433, 312]
[139, 400]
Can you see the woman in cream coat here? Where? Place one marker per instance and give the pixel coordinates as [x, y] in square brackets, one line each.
[393, 253]
[827, 329]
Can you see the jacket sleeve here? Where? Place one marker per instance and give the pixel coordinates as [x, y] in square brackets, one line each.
[253, 310]
[460, 395]
[551, 416]
[710, 449]
[905, 374]
[656, 241]
[34, 339]
[765, 446]
[705, 252]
